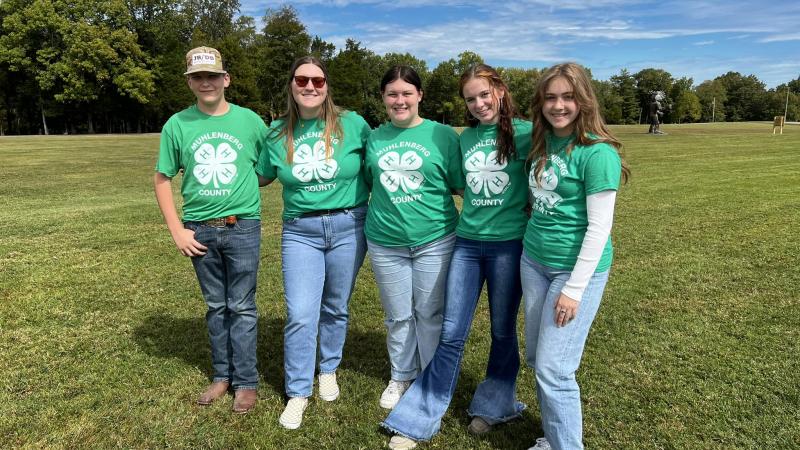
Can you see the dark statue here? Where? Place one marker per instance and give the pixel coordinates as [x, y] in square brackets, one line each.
[656, 110]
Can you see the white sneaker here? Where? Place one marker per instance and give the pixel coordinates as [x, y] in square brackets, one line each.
[541, 444]
[328, 388]
[398, 442]
[391, 395]
[292, 416]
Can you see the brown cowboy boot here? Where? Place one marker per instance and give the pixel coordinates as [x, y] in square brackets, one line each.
[216, 390]
[244, 400]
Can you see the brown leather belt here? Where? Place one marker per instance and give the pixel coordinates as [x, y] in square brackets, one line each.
[220, 222]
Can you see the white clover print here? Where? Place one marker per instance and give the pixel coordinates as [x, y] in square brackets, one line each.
[543, 192]
[215, 164]
[311, 163]
[486, 173]
[401, 171]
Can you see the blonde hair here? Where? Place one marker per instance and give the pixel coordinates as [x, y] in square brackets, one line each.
[590, 128]
[330, 113]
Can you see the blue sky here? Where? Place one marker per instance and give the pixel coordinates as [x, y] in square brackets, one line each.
[698, 39]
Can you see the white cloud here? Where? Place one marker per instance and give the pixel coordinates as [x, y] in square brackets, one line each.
[781, 38]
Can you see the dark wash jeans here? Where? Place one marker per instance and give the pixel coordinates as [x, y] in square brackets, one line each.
[419, 412]
[227, 274]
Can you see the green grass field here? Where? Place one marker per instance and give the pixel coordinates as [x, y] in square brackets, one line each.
[696, 346]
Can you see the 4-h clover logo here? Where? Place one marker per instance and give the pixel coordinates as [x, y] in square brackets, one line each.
[401, 171]
[486, 173]
[543, 192]
[215, 164]
[311, 163]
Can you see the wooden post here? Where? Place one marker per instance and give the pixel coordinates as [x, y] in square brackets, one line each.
[778, 123]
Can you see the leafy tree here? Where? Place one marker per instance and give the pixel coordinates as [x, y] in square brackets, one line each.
[651, 80]
[777, 102]
[522, 84]
[712, 96]
[284, 40]
[239, 51]
[441, 98]
[466, 60]
[794, 85]
[164, 32]
[213, 19]
[687, 107]
[77, 51]
[746, 95]
[322, 50]
[610, 101]
[625, 87]
[355, 73]
[686, 103]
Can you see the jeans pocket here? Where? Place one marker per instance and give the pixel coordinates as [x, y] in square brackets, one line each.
[247, 225]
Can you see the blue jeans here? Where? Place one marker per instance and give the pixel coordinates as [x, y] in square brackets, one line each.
[227, 274]
[555, 353]
[321, 257]
[411, 282]
[419, 413]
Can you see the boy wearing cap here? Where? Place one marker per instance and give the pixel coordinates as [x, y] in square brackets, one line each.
[216, 144]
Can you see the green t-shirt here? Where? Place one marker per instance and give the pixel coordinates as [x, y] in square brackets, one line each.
[412, 172]
[218, 155]
[496, 193]
[312, 182]
[558, 221]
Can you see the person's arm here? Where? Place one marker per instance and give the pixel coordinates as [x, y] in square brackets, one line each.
[264, 181]
[600, 212]
[184, 238]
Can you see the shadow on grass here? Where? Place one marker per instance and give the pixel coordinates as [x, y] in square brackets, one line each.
[166, 336]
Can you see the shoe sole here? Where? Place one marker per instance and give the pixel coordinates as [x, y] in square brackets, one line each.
[386, 405]
[290, 426]
[404, 446]
[329, 398]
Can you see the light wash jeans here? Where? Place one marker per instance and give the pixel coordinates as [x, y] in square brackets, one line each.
[411, 282]
[321, 257]
[419, 412]
[555, 353]
[227, 274]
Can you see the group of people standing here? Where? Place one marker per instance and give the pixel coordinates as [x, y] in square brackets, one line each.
[538, 203]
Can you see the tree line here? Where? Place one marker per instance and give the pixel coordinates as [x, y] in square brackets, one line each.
[115, 66]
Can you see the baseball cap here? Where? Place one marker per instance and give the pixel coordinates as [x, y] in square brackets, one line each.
[203, 59]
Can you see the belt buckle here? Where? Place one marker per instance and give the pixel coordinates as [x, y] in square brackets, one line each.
[217, 223]
[221, 222]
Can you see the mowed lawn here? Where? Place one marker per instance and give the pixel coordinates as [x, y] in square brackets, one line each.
[696, 345]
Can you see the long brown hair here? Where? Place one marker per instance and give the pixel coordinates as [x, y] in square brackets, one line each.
[507, 109]
[589, 125]
[330, 113]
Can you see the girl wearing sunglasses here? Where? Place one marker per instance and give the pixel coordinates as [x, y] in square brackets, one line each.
[316, 150]
[413, 165]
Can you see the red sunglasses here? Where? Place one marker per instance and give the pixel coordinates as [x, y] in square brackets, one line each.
[302, 81]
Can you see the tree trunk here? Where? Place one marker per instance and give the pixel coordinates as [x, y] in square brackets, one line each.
[44, 120]
[91, 123]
